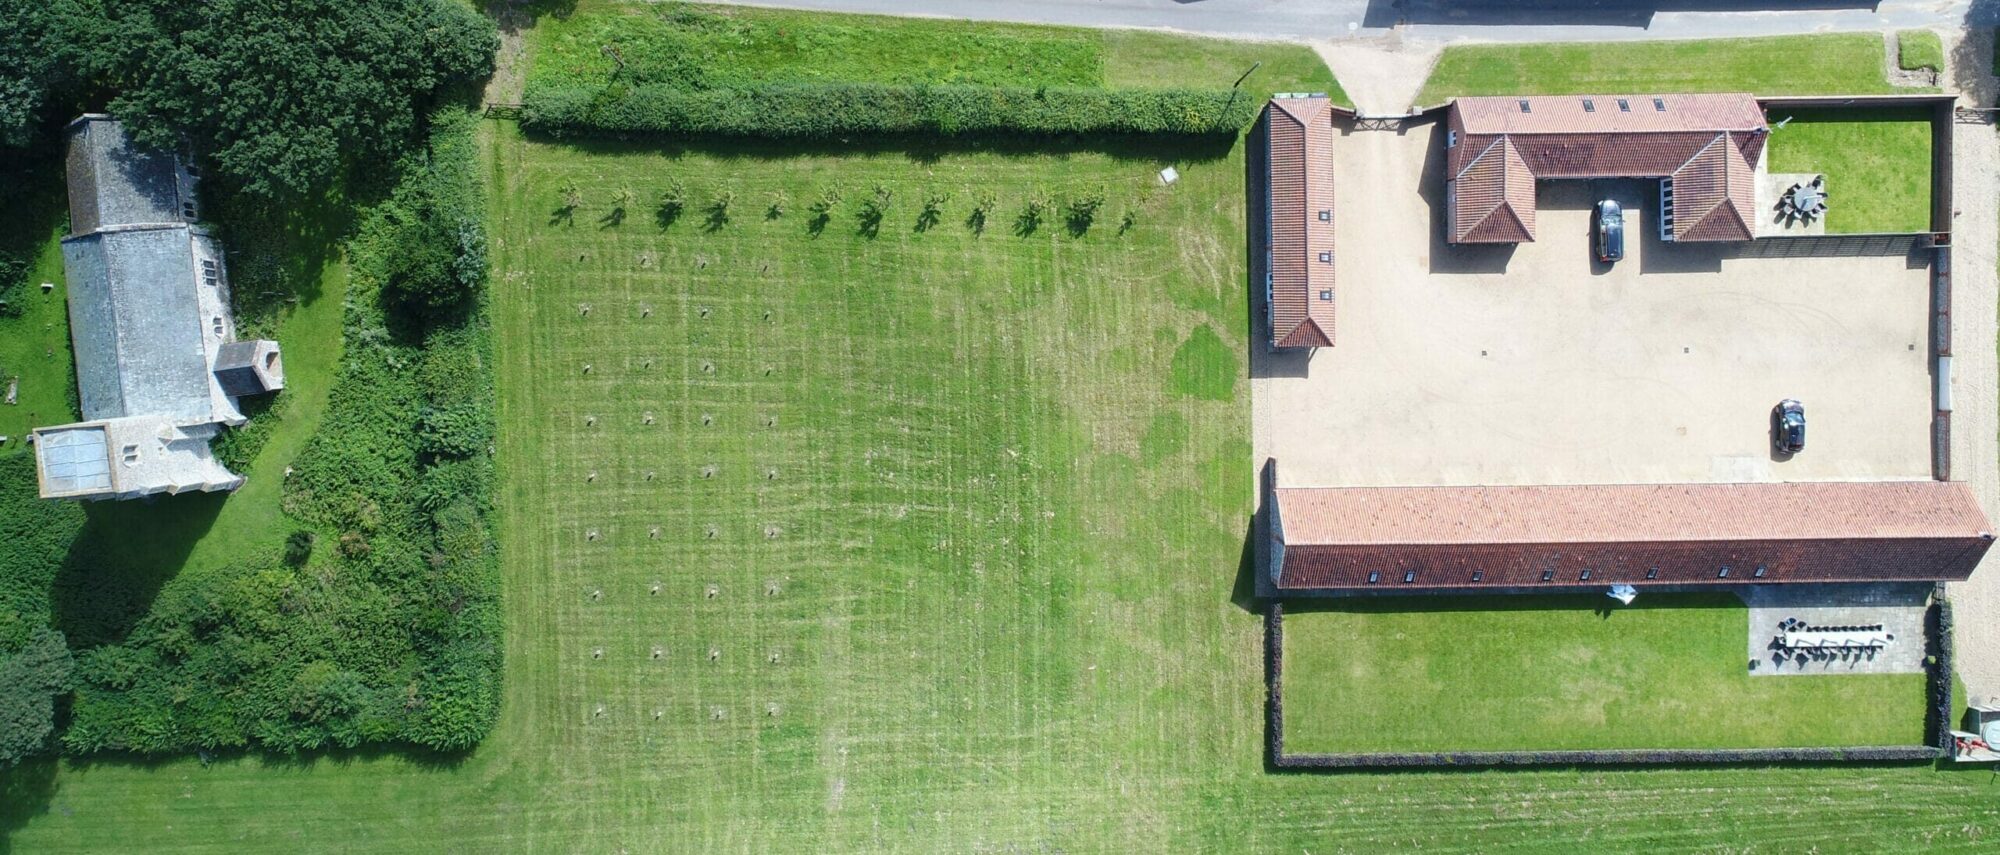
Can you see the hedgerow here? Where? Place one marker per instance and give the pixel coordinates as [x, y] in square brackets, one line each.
[394, 634]
[34, 659]
[805, 111]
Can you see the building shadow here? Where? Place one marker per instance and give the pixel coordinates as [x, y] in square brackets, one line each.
[121, 558]
[1572, 13]
[27, 789]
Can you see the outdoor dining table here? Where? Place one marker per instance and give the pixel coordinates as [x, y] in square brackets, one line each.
[1808, 639]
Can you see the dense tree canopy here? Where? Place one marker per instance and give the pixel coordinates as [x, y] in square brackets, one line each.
[283, 95]
[35, 59]
[30, 679]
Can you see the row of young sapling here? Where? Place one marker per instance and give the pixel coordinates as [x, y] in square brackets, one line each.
[714, 654]
[1076, 210]
[772, 531]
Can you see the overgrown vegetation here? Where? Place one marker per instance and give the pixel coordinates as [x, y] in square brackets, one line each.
[394, 635]
[694, 47]
[34, 660]
[282, 97]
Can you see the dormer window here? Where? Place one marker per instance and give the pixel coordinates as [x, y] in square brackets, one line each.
[215, 325]
[1451, 139]
[130, 453]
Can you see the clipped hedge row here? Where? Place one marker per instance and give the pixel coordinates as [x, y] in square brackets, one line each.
[1614, 757]
[1937, 631]
[808, 111]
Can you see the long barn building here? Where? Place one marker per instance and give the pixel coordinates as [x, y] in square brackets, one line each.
[1465, 539]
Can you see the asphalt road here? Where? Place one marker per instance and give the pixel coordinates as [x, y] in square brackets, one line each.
[1445, 20]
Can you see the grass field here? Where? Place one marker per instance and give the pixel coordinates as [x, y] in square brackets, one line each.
[720, 46]
[997, 625]
[1847, 64]
[1919, 49]
[1004, 504]
[34, 351]
[1549, 673]
[1877, 164]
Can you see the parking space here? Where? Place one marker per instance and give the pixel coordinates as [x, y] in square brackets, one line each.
[1534, 364]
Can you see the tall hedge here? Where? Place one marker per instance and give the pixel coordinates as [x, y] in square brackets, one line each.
[807, 111]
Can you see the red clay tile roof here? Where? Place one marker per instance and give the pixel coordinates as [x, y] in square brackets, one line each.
[1715, 194]
[1301, 187]
[1493, 200]
[1558, 138]
[1837, 531]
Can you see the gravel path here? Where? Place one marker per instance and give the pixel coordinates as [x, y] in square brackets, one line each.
[1975, 375]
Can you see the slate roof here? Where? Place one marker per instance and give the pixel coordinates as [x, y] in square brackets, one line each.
[1619, 136]
[1301, 189]
[114, 183]
[1680, 533]
[141, 326]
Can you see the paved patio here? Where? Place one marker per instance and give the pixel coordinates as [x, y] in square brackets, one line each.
[1897, 608]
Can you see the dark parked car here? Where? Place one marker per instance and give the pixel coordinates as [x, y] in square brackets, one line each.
[1610, 237]
[1788, 427]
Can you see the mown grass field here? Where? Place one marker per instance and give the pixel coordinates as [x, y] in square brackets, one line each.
[985, 497]
[1547, 673]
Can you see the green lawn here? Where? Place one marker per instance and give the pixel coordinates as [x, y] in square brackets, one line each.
[1548, 673]
[34, 350]
[1919, 49]
[1877, 164]
[718, 46]
[1840, 64]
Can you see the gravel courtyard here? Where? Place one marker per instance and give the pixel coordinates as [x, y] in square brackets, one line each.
[1536, 365]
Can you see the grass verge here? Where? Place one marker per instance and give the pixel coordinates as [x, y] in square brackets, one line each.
[1848, 64]
[695, 46]
[1550, 673]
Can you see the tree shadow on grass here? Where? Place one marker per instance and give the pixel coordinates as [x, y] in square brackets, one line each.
[124, 554]
[26, 791]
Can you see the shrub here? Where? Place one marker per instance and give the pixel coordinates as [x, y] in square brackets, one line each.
[807, 111]
[299, 547]
[30, 680]
[933, 211]
[673, 203]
